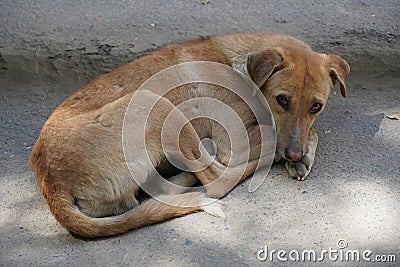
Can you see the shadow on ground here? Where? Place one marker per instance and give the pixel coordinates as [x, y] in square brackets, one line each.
[352, 193]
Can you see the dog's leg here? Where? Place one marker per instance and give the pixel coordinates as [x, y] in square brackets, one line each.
[229, 177]
[185, 179]
[182, 145]
[300, 169]
[219, 178]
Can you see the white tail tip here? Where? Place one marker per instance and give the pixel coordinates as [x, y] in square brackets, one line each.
[213, 207]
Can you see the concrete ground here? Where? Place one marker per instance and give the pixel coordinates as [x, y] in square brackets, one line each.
[48, 49]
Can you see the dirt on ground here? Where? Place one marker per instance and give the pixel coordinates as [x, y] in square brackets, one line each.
[49, 49]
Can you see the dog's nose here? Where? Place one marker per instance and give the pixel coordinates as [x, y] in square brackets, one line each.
[293, 155]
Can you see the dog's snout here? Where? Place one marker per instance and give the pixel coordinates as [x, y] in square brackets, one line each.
[294, 155]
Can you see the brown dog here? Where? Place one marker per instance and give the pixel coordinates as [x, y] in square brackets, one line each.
[79, 160]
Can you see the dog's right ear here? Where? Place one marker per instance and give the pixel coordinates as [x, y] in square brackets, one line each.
[261, 66]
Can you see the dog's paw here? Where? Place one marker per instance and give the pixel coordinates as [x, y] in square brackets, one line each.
[299, 169]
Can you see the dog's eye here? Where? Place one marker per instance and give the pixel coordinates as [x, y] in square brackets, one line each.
[283, 101]
[316, 108]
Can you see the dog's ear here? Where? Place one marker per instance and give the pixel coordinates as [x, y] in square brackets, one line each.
[338, 70]
[261, 66]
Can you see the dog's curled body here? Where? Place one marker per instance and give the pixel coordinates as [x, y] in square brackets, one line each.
[78, 158]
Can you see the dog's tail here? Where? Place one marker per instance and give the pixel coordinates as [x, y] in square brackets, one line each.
[149, 212]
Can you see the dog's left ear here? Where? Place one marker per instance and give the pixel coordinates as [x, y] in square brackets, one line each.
[261, 66]
[338, 70]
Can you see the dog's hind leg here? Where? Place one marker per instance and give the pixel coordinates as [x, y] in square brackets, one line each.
[184, 179]
[219, 178]
[181, 145]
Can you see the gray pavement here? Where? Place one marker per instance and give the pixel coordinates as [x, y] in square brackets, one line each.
[48, 49]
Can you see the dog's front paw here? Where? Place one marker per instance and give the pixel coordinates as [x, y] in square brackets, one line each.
[299, 169]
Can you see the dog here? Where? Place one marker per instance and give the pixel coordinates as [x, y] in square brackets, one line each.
[79, 160]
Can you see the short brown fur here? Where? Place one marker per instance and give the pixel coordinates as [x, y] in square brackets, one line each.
[78, 158]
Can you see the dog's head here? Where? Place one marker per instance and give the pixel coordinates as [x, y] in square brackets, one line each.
[296, 83]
